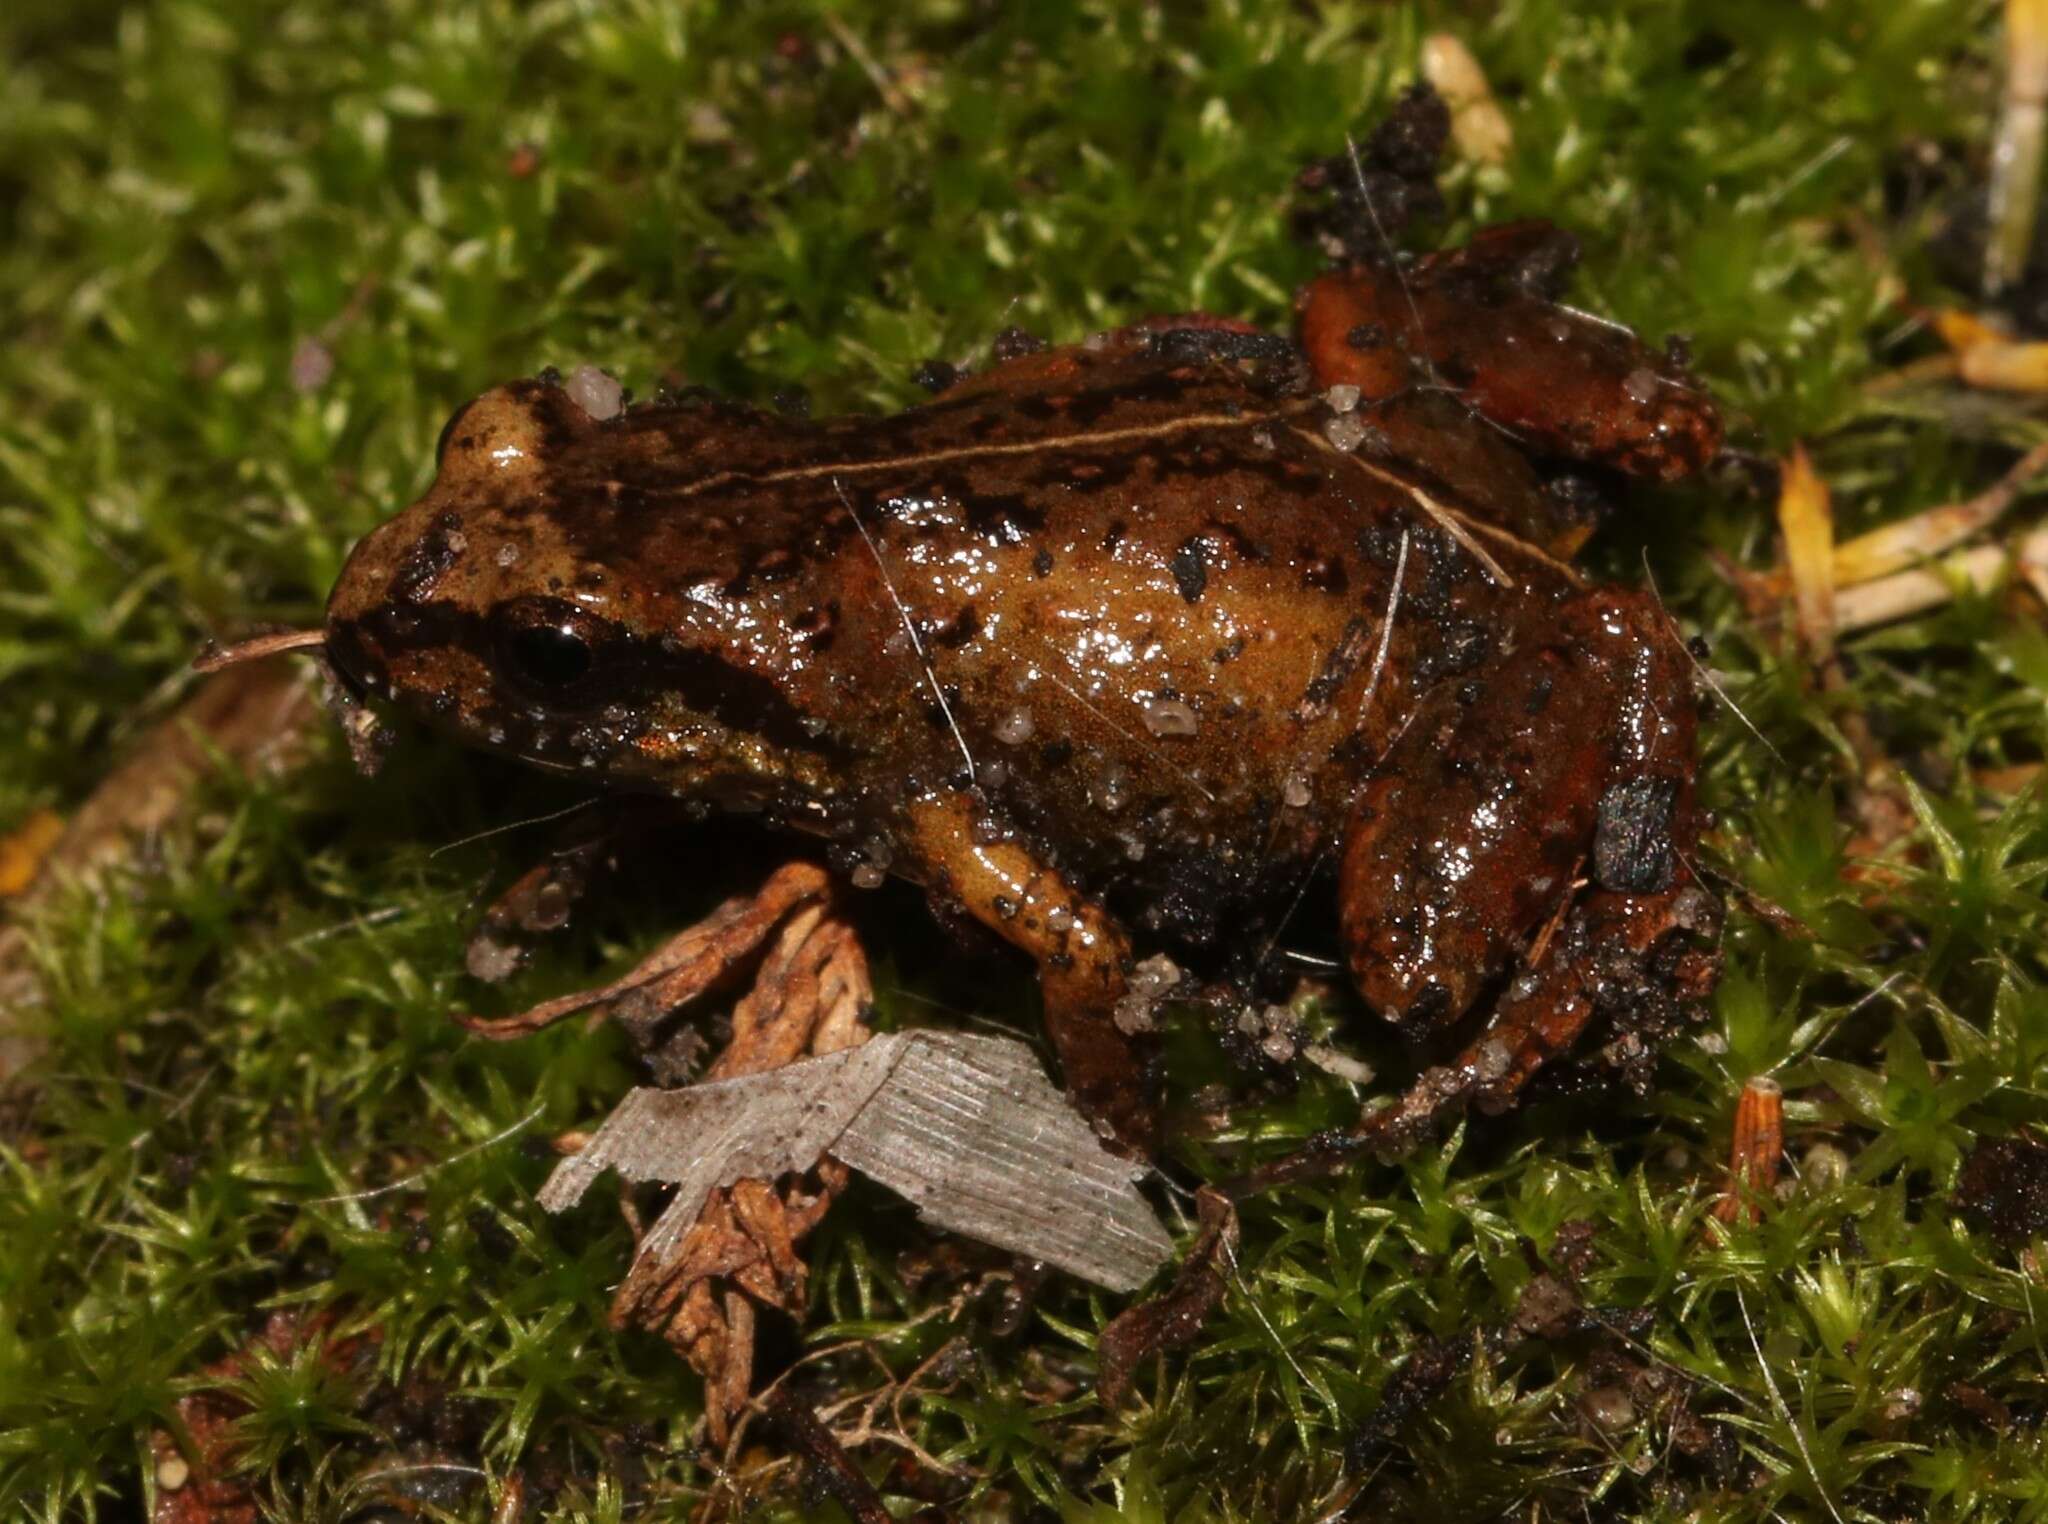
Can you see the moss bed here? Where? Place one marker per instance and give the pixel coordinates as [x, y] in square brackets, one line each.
[249, 1030]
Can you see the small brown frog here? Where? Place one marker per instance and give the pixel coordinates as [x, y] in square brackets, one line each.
[1130, 641]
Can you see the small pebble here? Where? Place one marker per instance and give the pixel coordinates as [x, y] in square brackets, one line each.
[1640, 385]
[595, 392]
[1610, 1407]
[1111, 789]
[1170, 717]
[705, 123]
[172, 1472]
[1825, 1168]
[1900, 1404]
[491, 960]
[1342, 1065]
[1295, 793]
[868, 876]
[1346, 431]
[1342, 399]
[1493, 1060]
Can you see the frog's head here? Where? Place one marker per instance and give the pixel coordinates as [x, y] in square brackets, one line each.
[536, 603]
[506, 609]
[471, 611]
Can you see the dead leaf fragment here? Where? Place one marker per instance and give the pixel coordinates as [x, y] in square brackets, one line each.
[965, 1126]
[1754, 1151]
[23, 849]
[1174, 1319]
[2016, 156]
[825, 1460]
[682, 968]
[1897, 546]
[2005, 367]
[255, 718]
[1980, 569]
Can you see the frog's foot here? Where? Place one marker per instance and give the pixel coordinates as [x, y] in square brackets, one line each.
[1103, 1039]
[1633, 958]
[1483, 322]
[811, 996]
[682, 968]
[539, 903]
[1577, 744]
[1637, 960]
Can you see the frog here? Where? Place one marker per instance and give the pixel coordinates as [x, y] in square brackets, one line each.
[1137, 640]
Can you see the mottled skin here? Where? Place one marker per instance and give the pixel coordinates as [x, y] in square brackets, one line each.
[1102, 636]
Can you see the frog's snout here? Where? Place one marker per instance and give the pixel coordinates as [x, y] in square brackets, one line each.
[388, 633]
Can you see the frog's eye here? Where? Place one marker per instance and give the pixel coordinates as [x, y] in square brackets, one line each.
[549, 647]
[551, 658]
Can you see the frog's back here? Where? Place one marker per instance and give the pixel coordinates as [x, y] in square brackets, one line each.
[1151, 593]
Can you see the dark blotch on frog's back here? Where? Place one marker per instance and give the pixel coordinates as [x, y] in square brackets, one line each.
[1633, 852]
[1007, 518]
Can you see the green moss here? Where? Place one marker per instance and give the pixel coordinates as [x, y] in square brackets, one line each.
[253, 1033]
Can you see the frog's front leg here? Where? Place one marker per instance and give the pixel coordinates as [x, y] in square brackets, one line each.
[1083, 958]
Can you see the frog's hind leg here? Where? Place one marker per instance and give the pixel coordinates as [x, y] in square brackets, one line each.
[1483, 323]
[1466, 841]
[1535, 838]
[1634, 956]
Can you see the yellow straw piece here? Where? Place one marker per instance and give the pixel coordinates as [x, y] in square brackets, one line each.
[1478, 125]
[1894, 547]
[2006, 367]
[1806, 517]
[2016, 154]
